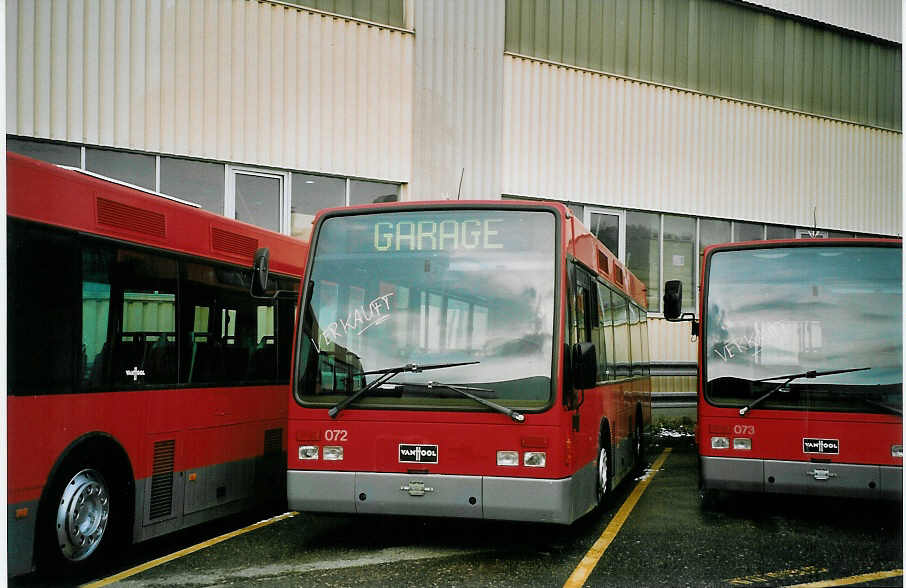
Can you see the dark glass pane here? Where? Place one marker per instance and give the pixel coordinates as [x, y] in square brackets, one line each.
[311, 193]
[361, 192]
[133, 168]
[201, 182]
[606, 227]
[679, 255]
[643, 252]
[42, 276]
[747, 231]
[711, 232]
[58, 153]
[780, 232]
[258, 200]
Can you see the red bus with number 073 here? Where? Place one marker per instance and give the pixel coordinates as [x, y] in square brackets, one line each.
[465, 359]
[146, 385]
[800, 367]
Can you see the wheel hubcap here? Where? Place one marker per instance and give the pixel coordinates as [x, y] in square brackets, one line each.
[82, 515]
[602, 471]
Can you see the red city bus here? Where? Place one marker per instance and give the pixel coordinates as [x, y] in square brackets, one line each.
[465, 359]
[800, 367]
[146, 386]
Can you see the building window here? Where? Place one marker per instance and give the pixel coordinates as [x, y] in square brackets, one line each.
[200, 182]
[606, 225]
[258, 197]
[138, 169]
[362, 192]
[679, 256]
[56, 153]
[747, 231]
[711, 232]
[311, 193]
[779, 232]
[643, 231]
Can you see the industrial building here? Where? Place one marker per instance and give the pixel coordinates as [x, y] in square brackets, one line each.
[666, 125]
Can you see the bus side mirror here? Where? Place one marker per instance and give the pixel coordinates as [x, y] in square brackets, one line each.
[585, 364]
[259, 272]
[673, 300]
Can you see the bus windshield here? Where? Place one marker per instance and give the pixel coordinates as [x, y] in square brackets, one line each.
[474, 288]
[778, 312]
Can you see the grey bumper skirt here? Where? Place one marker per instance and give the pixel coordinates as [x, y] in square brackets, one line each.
[515, 499]
[797, 477]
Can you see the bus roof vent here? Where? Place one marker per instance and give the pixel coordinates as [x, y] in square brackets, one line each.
[234, 243]
[602, 263]
[618, 274]
[131, 218]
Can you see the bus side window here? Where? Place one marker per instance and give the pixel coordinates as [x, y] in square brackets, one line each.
[142, 335]
[621, 336]
[604, 344]
[635, 340]
[42, 277]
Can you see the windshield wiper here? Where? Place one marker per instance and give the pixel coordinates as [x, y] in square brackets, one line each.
[386, 375]
[467, 392]
[790, 378]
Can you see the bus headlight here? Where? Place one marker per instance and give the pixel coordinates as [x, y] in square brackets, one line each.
[333, 453]
[720, 442]
[534, 459]
[308, 452]
[896, 451]
[742, 443]
[507, 458]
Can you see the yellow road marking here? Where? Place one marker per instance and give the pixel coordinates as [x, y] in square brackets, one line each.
[851, 579]
[176, 555]
[588, 563]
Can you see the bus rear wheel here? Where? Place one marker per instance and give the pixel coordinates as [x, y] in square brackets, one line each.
[603, 469]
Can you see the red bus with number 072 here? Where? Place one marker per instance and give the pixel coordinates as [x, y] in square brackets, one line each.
[465, 359]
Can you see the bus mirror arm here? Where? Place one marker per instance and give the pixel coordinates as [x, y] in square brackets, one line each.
[673, 305]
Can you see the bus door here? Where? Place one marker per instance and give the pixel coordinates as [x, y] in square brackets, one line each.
[583, 307]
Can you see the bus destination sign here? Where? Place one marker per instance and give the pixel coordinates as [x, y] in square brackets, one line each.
[437, 235]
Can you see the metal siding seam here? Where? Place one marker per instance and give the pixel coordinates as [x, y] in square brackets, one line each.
[152, 122]
[75, 71]
[223, 65]
[59, 79]
[122, 35]
[41, 69]
[209, 97]
[138, 101]
[167, 120]
[13, 45]
[182, 74]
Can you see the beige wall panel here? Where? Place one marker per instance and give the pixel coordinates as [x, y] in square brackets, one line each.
[671, 341]
[581, 136]
[236, 80]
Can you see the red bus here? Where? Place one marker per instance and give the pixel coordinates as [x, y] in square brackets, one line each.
[146, 386]
[800, 367]
[465, 359]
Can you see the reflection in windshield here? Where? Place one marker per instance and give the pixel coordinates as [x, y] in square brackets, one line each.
[431, 287]
[795, 309]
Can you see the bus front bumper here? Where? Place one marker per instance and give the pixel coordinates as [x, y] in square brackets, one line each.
[798, 477]
[438, 495]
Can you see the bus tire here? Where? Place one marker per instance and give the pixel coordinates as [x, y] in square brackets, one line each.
[639, 448]
[604, 472]
[84, 517]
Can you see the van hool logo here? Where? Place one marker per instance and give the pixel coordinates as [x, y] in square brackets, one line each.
[418, 453]
[821, 446]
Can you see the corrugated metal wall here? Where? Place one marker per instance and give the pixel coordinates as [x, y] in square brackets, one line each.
[383, 11]
[719, 48]
[458, 99]
[582, 136]
[236, 80]
[879, 18]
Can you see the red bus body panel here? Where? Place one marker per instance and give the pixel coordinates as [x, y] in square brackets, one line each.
[211, 426]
